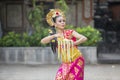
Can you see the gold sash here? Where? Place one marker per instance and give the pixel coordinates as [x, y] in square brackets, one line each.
[67, 52]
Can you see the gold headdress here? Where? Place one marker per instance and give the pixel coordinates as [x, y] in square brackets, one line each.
[53, 13]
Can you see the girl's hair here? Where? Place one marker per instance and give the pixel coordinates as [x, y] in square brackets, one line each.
[53, 42]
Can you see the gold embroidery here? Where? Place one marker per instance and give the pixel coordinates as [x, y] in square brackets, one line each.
[76, 70]
[80, 63]
[81, 74]
[59, 76]
[65, 69]
[71, 76]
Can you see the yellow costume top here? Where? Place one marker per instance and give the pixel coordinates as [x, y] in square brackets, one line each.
[67, 52]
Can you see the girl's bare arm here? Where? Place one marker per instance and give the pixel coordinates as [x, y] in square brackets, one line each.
[47, 39]
[80, 38]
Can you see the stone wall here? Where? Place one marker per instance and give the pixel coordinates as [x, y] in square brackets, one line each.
[39, 55]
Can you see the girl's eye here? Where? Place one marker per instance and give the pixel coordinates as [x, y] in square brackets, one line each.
[60, 21]
[63, 20]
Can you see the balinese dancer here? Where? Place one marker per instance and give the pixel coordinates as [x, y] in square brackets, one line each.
[64, 43]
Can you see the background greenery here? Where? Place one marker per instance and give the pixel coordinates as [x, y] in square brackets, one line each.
[13, 39]
[35, 18]
[93, 35]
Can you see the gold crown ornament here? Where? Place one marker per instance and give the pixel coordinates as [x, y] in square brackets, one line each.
[52, 14]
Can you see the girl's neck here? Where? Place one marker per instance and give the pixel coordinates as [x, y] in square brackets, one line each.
[60, 31]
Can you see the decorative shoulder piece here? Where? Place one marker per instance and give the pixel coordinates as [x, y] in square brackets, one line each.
[53, 13]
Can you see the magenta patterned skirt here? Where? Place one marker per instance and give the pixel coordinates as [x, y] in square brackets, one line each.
[71, 71]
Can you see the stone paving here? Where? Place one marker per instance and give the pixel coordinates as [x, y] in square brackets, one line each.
[47, 72]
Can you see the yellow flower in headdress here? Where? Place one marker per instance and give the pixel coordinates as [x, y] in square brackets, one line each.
[53, 13]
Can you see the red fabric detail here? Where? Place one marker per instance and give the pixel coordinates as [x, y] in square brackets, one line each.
[74, 39]
[68, 35]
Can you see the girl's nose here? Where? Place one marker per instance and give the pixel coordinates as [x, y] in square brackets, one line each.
[63, 22]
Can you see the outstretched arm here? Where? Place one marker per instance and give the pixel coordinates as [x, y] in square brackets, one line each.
[80, 38]
[47, 39]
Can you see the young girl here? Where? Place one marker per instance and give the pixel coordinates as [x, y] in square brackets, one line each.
[65, 41]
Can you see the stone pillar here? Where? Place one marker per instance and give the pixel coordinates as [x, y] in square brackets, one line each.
[87, 12]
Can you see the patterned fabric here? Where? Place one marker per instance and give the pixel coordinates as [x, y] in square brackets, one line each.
[73, 70]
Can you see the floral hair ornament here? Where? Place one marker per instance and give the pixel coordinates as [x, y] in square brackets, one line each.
[52, 14]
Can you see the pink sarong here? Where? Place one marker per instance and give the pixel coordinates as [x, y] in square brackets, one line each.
[71, 71]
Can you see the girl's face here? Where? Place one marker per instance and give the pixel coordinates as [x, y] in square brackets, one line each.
[60, 22]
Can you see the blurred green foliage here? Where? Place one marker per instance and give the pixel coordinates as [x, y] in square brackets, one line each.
[62, 5]
[93, 35]
[35, 17]
[13, 39]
